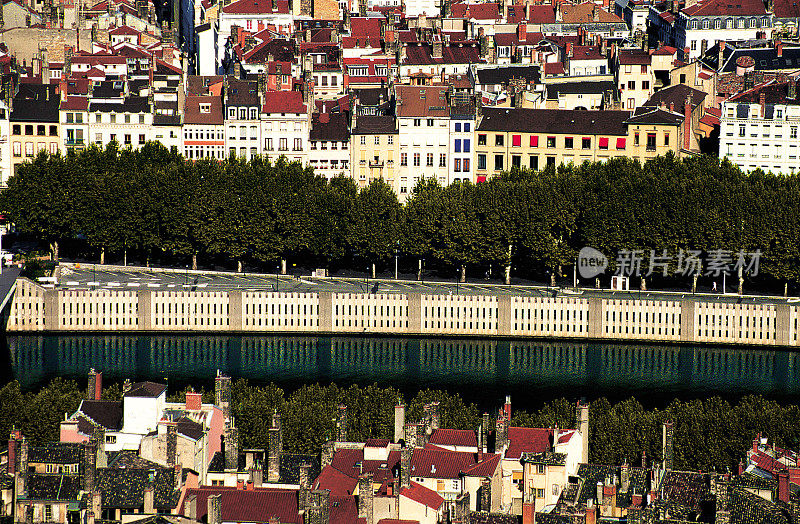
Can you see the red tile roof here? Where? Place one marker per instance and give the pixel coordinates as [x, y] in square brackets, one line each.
[397, 521]
[283, 102]
[475, 11]
[726, 8]
[441, 464]
[75, 103]
[586, 52]
[665, 50]
[123, 30]
[554, 68]
[527, 440]
[454, 437]
[340, 484]
[343, 510]
[485, 468]
[634, 57]
[422, 54]
[541, 14]
[366, 28]
[258, 505]
[423, 495]
[376, 442]
[256, 7]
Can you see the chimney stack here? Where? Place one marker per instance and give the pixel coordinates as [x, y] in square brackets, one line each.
[687, 123]
[783, 486]
[507, 408]
[434, 416]
[21, 466]
[486, 421]
[625, 476]
[194, 401]
[721, 56]
[230, 437]
[276, 423]
[222, 390]
[365, 498]
[462, 508]
[95, 386]
[667, 445]
[214, 509]
[486, 494]
[149, 507]
[172, 444]
[405, 467]
[582, 425]
[399, 420]
[274, 459]
[341, 424]
[99, 436]
[327, 454]
[410, 431]
[501, 434]
[190, 510]
[791, 89]
[305, 488]
[89, 464]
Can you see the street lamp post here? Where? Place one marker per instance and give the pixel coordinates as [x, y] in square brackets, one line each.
[396, 250]
[458, 277]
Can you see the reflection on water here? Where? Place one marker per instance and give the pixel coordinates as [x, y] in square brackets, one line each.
[481, 370]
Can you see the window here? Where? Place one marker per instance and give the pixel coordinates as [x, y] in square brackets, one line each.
[651, 141]
[127, 139]
[793, 132]
[377, 140]
[298, 144]
[232, 112]
[112, 137]
[78, 118]
[645, 85]
[533, 162]
[466, 145]
[442, 160]
[430, 122]
[268, 145]
[458, 127]
[40, 130]
[551, 141]
[253, 132]
[498, 162]
[429, 160]
[586, 143]
[403, 159]
[389, 140]
[568, 142]
[457, 165]
[534, 141]
[457, 145]
[516, 161]
[283, 144]
[481, 140]
[313, 145]
[636, 139]
[741, 129]
[416, 159]
[516, 140]
[417, 122]
[17, 151]
[29, 149]
[465, 165]
[466, 127]
[363, 140]
[540, 469]
[253, 113]
[620, 143]
[127, 118]
[602, 143]
[69, 118]
[481, 161]
[17, 129]
[666, 139]
[631, 84]
[498, 140]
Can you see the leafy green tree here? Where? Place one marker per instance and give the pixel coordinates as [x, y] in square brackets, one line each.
[374, 231]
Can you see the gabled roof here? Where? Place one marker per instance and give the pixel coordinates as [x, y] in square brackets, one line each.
[283, 102]
[485, 468]
[423, 495]
[124, 30]
[633, 57]
[257, 505]
[440, 463]
[256, 7]
[340, 484]
[107, 413]
[676, 95]
[504, 74]
[146, 389]
[124, 487]
[774, 93]
[487, 11]
[454, 437]
[726, 8]
[655, 116]
[422, 101]
[193, 115]
[366, 28]
[528, 440]
[584, 13]
[422, 54]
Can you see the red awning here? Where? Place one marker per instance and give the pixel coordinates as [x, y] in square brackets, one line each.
[620, 143]
[603, 142]
[534, 141]
[481, 178]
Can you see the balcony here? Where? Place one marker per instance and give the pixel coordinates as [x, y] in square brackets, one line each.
[376, 164]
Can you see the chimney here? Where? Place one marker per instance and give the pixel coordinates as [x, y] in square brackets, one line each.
[341, 423]
[434, 416]
[595, 14]
[95, 386]
[783, 486]
[685, 54]
[779, 48]
[599, 493]
[405, 467]
[305, 487]
[22, 467]
[507, 408]
[625, 477]
[486, 494]
[501, 435]
[89, 464]
[172, 444]
[569, 49]
[149, 507]
[528, 508]
[99, 436]
[257, 476]
[462, 508]
[274, 459]
[591, 515]
[222, 386]
[636, 499]
[667, 428]
[522, 32]
[230, 437]
[485, 432]
[214, 509]
[480, 443]
[194, 401]
[365, 501]
[422, 435]
[582, 425]
[687, 123]
[327, 454]
[721, 55]
[791, 89]
[97, 504]
[438, 48]
[190, 509]
[410, 431]
[399, 420]
[276, 423]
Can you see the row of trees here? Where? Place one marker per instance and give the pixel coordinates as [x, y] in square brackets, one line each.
[155, 204]
[710, 434]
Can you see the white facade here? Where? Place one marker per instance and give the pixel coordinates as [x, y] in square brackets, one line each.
[286, 134]
[140, 415]
[424, 144]
[203, 141]
[461, 149]
[6, 169]
[243, 131]
[754, 138]
[128, 129]
[414, 8]
[329, 158]
[700, 33]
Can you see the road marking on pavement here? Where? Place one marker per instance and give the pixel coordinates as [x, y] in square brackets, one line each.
[133, 284]
[153, 285]
[72, 283]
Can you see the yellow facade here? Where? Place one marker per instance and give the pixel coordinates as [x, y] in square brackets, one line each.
[375, 156]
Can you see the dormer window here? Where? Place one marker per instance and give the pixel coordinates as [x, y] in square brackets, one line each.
[205, 108]
[231, 112]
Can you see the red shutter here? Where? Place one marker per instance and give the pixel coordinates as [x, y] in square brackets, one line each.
[534, 141]
[481, 178]
[516, 140]
[604, 142]
[620, 143]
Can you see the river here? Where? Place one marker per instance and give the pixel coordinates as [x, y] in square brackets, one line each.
[481, 370]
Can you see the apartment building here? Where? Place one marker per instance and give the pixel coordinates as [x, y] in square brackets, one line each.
[329, 144]
[74, 118]
[374, 150]
[34, 122]
[536, 138]
[423, 116]
[203, 127]
[759, 127]
[634, 76]
[285, 125]
[242, 118]
[461, 143]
